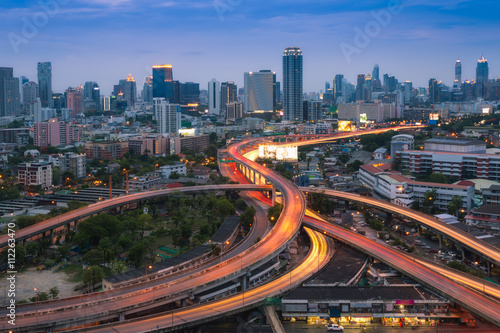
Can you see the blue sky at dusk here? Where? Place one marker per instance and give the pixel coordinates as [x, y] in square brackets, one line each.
[105, 40]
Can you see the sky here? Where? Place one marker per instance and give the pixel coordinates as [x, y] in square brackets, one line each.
[105, 40]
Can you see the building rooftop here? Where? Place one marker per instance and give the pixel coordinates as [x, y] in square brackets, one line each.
[456, 141]
[488, 209]
[359, 293]
[226, 229]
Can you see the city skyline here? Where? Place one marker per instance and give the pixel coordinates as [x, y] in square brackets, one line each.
[114, 38]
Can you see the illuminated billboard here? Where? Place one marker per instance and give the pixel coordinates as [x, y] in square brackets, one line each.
[187, 132]
[363, 118]
[434, 116]
[288, 154]
[266, 151]
[486, 110]
[345, 126]
[279, 153]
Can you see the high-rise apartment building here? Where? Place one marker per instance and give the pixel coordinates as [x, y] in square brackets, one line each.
[10, 101]
[54, 133]
[229, 94]
[168, 116]
[214, 95]
[30, 94]
[234, 111]
[338, 86]
[458, 75]
[292, 84]
[190, 93]
[74, 100]
[45, 83]
[260, 90]
[313, 110]
[129, 90]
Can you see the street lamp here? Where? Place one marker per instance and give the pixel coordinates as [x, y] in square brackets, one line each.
[147, 267]
[36, 306]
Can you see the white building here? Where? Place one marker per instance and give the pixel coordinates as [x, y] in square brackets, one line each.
[259, 91]
[234, 111]
[214, 97]
[403, 191]
[380, 154]
[35, 174]
[168, 116]
[167, 170]
[146, 182]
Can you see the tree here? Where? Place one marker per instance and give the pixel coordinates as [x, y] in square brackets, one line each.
[247, 218]
[439, 178]
[144, 222]
[343, 158]
[274, 213]
[56, 176]
[118, 267]
[211, 151]
[174, 175]
[54, 292]
[240, 204]
[92, 275]
[354, 166]
[429, 199]
[225, 208]
[40, 297]
[137, 252]
[455, 205]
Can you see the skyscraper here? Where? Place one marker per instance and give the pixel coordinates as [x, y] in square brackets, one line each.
[130, 91]
[229, 94]
[30, 94]
[92, 93]
[162, 74]
[10, 104]
[168, 116]
[292, 84]
[74, 101]
[190, 93]
[376, 73]
[214, 97]
[338, 86]
[433, 91]
[482, 73]
[147, 90]
[458, 73]
[360, 88]
[259, 91]
[45, 83]
[408, 91]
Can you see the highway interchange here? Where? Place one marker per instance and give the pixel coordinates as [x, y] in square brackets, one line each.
[285, 229]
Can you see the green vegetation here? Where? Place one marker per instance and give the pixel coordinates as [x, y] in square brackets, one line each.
[372, 142]
[463, 268]
[274, 212]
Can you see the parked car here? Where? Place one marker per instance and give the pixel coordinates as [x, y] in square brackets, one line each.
[334, 327]
[433, 251]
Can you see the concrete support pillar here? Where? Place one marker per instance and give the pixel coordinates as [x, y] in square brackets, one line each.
[389, 218]
[489, 268]
[440, 241]
[183, 302]
[244, 282]
[68, 227]
[51, 235]
[274, 196]
[122, 317]
[253, 177]
[309, 199]
[24, 242]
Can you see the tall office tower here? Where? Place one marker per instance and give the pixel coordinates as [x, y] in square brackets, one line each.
[433, 91]
[338, 86]
[234, 111]
[292, 84]
[162, 74]
[228, 94]
[147, 90]
[10, 104]
[190, 93]
[74, 101]
[327, 86]
[390, 83]
[106, 102]
[22, 81]
[376, 72]
[408, 91]
[259, 91]
[360, 88]
[130, 91]
[92, 93]
[482, 73]
[58, 101]
[30, 94]
[45, 83]
[458, 75]
[168, 116]
[277, 94]
[176, 92]
[214, 97]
